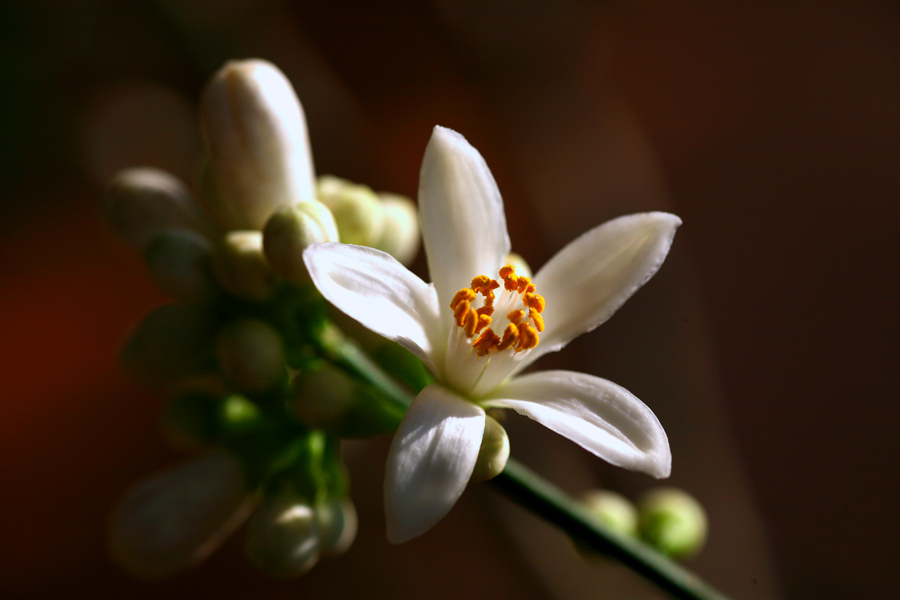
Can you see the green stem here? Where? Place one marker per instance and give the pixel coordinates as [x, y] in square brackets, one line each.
[534, 493]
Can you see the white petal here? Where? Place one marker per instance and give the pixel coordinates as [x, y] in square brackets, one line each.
[376, 290]
[589, 279]
[430, 461]
[463, 225]
[597, 414]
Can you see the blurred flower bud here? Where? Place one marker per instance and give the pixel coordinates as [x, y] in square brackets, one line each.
[337, 523]
[180, 261]
[494, 452]
[143, 201]
[672, 521]
[328, 186]
[283, 537]
[357, 211]
[290, 230]
[400, 235]
[402, 364]
[251, 355]
[255, 134]
[172, 342]
[241, 267]
[322, 398]
[175, 519]
[522, 268]
[613, 510]
[190, 420]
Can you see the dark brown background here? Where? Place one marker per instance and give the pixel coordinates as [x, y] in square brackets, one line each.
[767, 344]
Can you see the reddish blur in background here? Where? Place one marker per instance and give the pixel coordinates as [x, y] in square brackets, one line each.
[766, 344]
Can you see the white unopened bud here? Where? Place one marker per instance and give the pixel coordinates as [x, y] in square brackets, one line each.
[290, 230]
[283, 537]
[672, 521]
[241, 267]
[358, 213]
[142, 202]
[494, 452]
[522, 268]
[175, 519]
[322, 398]
[400, 237]
[613, 510]
[251, 355]
[256, 137]
[328, 186]
[337, 522]
[180, 261]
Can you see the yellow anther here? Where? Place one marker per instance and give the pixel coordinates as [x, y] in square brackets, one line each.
[486, 342]
[459, 313]
[516, 316]
[510, 337]
[470, 322]
[524, 282]
[510, 281]
[528, 338]
[485, 310]
[463, 294]
[484, 284]
[483, 321]
[535, 302]
[537, 319]
[507, 270]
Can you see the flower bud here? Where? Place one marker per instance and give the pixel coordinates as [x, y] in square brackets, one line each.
[180, 261]
[172, 342]
[251, 355]
[400, 236]
[322, 398]
[190, 420]
[494, 452]
[672, 521]
[255, 134]
[328, 186]
[522, 268]
[337, 522]
[175, 519]
[141, 202]
[241, 268]
[290, 230]
[358, 213]
[283, 537]
[613, 510]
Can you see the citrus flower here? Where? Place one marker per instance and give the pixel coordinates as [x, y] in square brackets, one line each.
[479, 324]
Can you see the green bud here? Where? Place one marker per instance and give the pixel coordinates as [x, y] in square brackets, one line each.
[180, 261]
[494, 452]
[358, 213]
[251, 355]
[328, 186]
[283, 537]
[173, 520]
[522, 268]
[402, 364]
[613, 510]
[172, 342]
[322, 398]
[241, 267]
[290, 230]
[337, 522]
[400, 235]
[258, 146]
[672, 521]
[142, 202]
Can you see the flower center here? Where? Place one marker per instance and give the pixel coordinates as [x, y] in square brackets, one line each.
[518, 301]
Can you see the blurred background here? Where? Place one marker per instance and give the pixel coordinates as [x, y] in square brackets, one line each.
[766, 344]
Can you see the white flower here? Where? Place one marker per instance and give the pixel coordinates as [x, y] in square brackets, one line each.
[478, 325]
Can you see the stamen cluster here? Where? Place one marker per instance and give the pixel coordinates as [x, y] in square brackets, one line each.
[520, 334]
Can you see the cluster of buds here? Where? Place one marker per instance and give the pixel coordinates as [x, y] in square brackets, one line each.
[261, 410]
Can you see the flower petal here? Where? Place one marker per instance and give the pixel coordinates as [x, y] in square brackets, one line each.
[463, 225]
[430, 461]
[589, 279]
[602, 417]
[376, 290]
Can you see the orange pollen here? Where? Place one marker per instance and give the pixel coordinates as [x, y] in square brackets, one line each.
[464, 294]
[486, 342]
[510, 281]
[510, 337]
[534, 301]
[537, 319]
[470, 322]
[459, 313]
[484, 321]
[486, 310]
[528, 338]
[524, 282]
[515, 316]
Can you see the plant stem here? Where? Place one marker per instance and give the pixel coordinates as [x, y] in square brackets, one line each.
[534, 493]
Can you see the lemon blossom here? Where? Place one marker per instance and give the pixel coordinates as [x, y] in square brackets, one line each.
[479, 324]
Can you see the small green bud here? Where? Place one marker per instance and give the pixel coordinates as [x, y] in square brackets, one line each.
[258, 146]
[173, 520]
[613, 510]
[322, 398]
[251, 355]
[673, 521]
[337, 522]
[328, 186]
[283, 537]
[172, 342]
[180, 261]
[142, 202]
[400, 236]
[290, 230]
[522, 268]
[241, 267]
[494, 452]
[358, 213]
